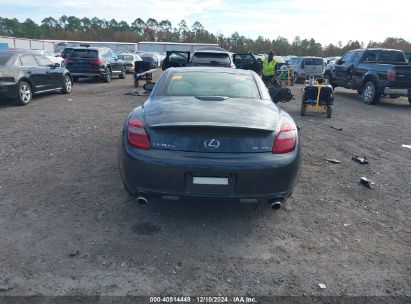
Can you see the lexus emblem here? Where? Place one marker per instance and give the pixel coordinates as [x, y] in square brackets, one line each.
[211, 143]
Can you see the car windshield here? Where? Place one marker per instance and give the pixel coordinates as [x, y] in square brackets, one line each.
[313, 61]
[126, 57]
[211, 58]
[4, 58]
[203, 84]
[147, 55]
[84, 53]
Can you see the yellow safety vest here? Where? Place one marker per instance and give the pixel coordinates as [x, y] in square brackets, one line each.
[269, 67]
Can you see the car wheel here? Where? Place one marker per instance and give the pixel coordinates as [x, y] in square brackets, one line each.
[369, 93]
[75, 78]
[295, 78]
[122, 74]
[25, 93]
[136, 83]
[329, 111]
[67, 85]
[107, 77]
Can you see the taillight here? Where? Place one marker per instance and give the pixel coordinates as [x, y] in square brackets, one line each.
[285, 139]
[391, 75]
[96, 61]
[137, 135]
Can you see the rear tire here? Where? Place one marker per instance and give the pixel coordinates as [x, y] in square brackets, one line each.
[329, 111]
[295, 78]
[108, 76]
[136, 83]
[67, 85]
[370, 95]
[25, 93]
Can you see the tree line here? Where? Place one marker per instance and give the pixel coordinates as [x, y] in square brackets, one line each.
[95, 29]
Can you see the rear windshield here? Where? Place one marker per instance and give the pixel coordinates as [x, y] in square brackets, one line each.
[392, 56]
[93, 54]
[211, 84]
[126, 57]
[211, 58]
[313, 61]
[4, 58]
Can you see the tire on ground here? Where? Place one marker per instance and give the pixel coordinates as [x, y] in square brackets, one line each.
[370, 95]
[67, 84]
[24, 93]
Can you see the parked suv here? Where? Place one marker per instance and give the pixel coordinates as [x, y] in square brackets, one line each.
[95, 62]
[304, 67]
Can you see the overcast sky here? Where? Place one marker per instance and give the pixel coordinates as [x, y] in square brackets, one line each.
[325, 21]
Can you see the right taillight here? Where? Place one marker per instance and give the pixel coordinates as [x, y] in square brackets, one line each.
[391, 75]
[137, 135]
[285, 140]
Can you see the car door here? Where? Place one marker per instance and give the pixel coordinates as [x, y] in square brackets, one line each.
[37, 75]
[246, 62]
[343, 69]
[115, 62]
[175, 59]
[53, 73]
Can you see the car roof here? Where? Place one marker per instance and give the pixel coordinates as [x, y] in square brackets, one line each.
[210, 69]
[89, 48]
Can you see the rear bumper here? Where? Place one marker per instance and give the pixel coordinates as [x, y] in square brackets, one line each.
[86, 72]
[256, 177]
[8, 89]
[397, 91]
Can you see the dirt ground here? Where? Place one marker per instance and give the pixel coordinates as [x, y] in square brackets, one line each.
[67, 228]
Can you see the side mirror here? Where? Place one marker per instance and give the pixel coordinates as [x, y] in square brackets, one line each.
[149, 86]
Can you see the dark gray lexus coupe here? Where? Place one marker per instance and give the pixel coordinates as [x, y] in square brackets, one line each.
[213, 133]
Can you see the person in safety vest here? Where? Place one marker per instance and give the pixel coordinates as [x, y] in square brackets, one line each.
[269, 68]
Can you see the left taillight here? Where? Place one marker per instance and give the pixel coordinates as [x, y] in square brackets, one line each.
[137, 135]
[286, 139]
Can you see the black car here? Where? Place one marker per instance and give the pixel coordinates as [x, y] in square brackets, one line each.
[95, 62]
[153, 58]
[66, 52]
[373, 72]
[23, 74]
[210, 132]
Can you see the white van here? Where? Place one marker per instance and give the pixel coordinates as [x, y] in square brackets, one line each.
[307, 66]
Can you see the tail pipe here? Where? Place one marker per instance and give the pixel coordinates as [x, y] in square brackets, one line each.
[142, 199]
[276, 204]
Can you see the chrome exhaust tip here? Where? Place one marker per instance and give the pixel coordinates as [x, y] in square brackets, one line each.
[142, 200]
[275, 205]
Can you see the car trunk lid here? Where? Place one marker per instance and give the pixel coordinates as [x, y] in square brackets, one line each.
[217, 125]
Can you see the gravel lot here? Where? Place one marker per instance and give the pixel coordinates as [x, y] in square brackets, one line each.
[67, 228]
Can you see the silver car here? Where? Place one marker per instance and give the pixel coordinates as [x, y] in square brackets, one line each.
[307, 66]
[129, 59]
